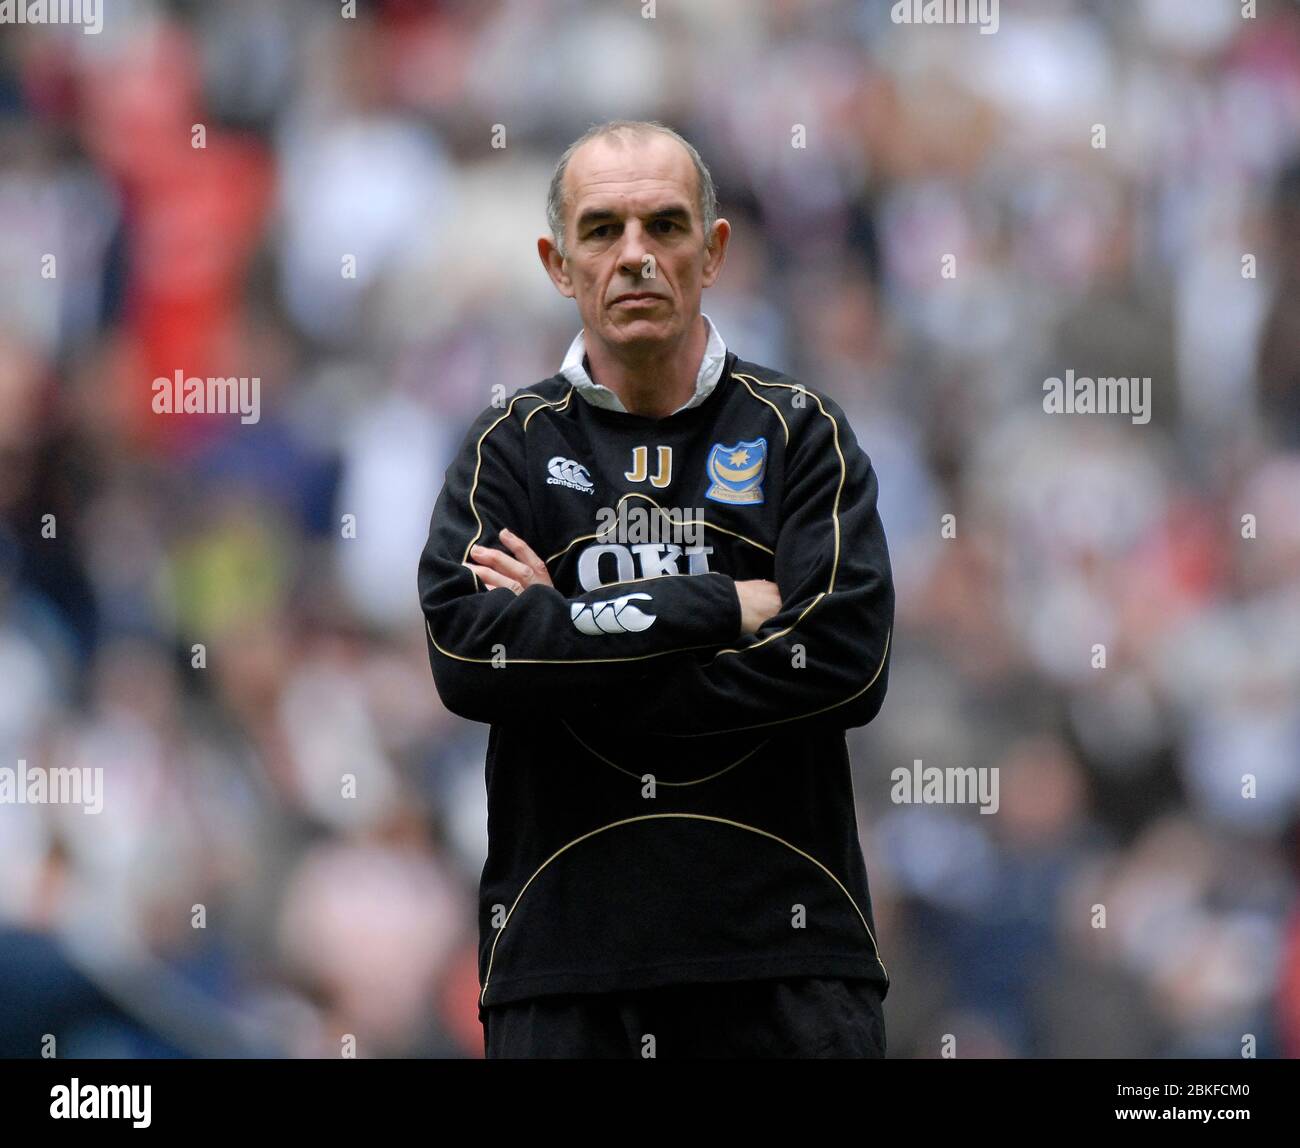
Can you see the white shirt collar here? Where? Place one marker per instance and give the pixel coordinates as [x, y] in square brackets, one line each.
[715, 354]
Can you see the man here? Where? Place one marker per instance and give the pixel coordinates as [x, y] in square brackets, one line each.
[661, 577]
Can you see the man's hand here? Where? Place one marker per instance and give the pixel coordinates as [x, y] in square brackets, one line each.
[759, 601]
[499, 569]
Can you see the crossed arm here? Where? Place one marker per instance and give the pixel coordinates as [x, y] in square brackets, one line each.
[759, 599]
[722, 655]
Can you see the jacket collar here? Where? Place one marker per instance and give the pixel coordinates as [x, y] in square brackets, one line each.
[574, 368]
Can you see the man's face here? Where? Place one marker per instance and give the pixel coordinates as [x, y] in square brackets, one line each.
[637, 261]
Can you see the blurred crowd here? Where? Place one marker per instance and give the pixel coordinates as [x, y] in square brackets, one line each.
[347, 209]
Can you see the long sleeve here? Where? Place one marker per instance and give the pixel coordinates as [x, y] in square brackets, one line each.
[825, 656]
[502, 657]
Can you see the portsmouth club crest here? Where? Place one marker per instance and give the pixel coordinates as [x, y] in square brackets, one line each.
[737, 472]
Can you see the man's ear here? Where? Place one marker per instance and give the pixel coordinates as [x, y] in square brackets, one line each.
[715, 256]
[555, 266]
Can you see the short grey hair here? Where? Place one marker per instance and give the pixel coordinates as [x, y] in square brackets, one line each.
[707, 200]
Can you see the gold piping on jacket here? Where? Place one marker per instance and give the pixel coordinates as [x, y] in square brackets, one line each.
[812, 713]
[558, 404]
[478, 466]
[875, 949]
[835, 523]
[775, 408]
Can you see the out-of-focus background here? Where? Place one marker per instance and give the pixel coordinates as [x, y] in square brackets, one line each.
[230, 900]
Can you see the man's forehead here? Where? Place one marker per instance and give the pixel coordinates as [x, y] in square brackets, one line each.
[641, 170]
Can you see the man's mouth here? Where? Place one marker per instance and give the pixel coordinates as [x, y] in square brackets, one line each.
[638, 298]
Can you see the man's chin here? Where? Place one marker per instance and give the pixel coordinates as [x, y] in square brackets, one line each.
[641, 333]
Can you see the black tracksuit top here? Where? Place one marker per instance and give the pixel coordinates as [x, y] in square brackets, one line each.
[668, 801]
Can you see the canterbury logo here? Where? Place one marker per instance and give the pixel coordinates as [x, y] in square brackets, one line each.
[566, 472]
[617, 616]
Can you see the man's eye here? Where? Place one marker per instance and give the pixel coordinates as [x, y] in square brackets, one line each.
[668, 223]
[599, 232]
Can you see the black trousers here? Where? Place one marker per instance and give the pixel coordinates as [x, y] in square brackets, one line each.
[792, 1017]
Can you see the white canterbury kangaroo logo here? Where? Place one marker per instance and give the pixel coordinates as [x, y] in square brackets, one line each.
[566, 472]
[617, 616]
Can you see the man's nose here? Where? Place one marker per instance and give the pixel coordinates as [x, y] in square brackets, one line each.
[632, 254]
